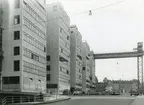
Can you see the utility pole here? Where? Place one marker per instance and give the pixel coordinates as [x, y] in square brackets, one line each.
[1, 53]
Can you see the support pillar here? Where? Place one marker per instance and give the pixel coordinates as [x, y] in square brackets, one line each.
[140, 71]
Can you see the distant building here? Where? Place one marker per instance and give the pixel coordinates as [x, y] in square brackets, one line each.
[24, 46]
[92, 70]
[124, 86]
[58, 48]
[86, 67]
[76, 58]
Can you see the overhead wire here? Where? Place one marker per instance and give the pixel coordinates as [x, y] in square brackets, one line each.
[102, 7]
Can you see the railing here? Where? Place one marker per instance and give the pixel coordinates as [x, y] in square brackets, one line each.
[20, 99]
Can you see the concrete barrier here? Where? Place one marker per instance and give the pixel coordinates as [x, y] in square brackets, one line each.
[139, 100]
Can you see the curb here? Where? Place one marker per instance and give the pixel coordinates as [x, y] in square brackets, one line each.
[39, 103]
[54, 101]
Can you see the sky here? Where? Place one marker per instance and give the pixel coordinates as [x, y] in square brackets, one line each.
[116, 28]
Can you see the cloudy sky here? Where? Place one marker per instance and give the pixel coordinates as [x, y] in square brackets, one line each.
[117, 28]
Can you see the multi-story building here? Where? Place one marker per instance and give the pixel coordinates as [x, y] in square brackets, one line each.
[24, 46]
[92, 70]
[58, 48]
[85, 67]
[75, 58]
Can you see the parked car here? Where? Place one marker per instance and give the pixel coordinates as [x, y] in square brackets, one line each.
[77, 93]
[66, 92]
[134, 93]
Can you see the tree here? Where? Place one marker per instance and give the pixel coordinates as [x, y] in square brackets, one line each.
[105, 80]
[96, 79]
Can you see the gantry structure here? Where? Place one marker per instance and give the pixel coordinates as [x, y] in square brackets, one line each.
[138, 54]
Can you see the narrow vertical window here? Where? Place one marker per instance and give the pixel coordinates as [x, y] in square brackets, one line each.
[16, 65]
[17, 50]
[16, 35]
[17, 19]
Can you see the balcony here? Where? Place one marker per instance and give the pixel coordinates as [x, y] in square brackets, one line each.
[62, 59]
[80, 57]
[88, 81]
[79, 84]
[87, 58]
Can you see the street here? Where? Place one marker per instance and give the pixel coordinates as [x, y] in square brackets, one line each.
[96, 100]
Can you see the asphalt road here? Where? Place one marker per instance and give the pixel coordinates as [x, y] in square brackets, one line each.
[96, 101]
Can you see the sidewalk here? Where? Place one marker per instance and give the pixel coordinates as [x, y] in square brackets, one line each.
[47, 100]
[139, 100]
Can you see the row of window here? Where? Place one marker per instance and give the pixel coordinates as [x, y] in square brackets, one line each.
[64, 81]
[30, 54]
[78, 76]
[34, 42]
[78, 63]
[61, 31]
[79, 49]
[79, 70]
[64, 43]
[11, 80]
[64, 70]
[34, 28]
[39, 6]
[34, 14]
[62, 50]
[79, 84]
[34, 69]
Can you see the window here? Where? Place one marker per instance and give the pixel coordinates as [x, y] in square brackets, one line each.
[14, 80]
[61, 50]
[67, 37]
[16, 35]
[44, 49]
[31, 79]
[48, 67]
[48, 77]
[17, 50]
[48, 57]
[5, 80]
[16, 65]
[60, 68]
[83, 68]
[34, 56]
[67, 72]
[11, 80]
[17, 3]
[17, 19]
